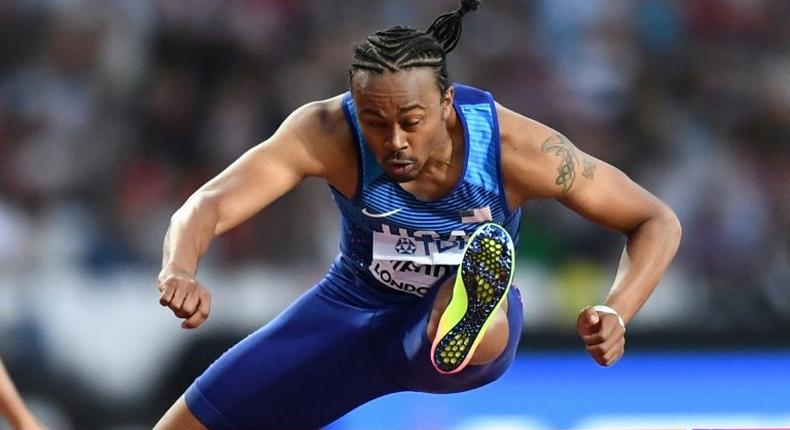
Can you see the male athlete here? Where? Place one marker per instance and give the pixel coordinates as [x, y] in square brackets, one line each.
[429, 178]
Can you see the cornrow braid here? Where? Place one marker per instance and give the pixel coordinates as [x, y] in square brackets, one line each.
[397, 48]
[401, 47]
[447, 28]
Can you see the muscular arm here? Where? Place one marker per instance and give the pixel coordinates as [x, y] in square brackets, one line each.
[252, 182]
[538, 162]
[305, 145]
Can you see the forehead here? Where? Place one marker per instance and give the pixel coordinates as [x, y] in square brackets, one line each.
[392, 90]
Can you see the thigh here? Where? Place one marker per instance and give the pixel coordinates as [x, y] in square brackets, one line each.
[407, 358]
[303, 370]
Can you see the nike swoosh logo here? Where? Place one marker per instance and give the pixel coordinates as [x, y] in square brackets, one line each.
[381, 215]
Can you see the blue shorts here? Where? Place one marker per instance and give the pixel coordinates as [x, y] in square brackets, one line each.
[343, 343]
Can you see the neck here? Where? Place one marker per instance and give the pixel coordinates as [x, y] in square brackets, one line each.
[452, 143]
[443, 169]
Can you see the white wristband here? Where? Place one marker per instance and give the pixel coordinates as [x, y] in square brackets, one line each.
[607, 310]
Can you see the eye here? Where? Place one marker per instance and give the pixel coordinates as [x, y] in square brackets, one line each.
[411, 123]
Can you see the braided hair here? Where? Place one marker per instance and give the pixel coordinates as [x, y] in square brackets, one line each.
[399, 47]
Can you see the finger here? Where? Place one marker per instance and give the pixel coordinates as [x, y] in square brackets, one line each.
[201, 314]
[587, 321]
[195, 321]
[597, 358]
[608, 353]
[181, 314]
[612, 356]
[606, 362]
[608, 327]
[587, 316]
[615, 356]
[167, 294]
[615, 343]
[605, 346]
[190, 305]
[594, 339]
[597, 355]
[601, 359]
[179, 296]
[592, 317]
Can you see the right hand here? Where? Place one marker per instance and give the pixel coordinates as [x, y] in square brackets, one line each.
[185, 296]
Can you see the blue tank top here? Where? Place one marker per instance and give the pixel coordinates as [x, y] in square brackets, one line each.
[392, 238]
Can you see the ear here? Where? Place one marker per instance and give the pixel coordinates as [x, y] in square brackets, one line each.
[447, 103]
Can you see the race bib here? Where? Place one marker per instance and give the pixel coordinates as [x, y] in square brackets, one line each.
[414, 262]
[408, 277]
[421, 247]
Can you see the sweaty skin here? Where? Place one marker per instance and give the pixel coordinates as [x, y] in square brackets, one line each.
[414, 132]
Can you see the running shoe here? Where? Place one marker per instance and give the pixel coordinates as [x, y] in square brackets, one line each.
[482, 283]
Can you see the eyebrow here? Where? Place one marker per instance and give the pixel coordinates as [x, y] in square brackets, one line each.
[401, 111]
[412, 106]
[371, 111]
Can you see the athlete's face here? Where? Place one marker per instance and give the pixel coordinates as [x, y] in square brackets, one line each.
[403, 117]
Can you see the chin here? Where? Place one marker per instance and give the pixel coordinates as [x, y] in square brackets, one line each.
[403, 178]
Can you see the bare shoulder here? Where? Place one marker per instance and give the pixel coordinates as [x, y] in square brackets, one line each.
[325, 138]
[517, 130]
[524, 145]
[322, 119]
[320, 124]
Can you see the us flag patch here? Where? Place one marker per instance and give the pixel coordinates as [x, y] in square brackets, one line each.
[476, 215]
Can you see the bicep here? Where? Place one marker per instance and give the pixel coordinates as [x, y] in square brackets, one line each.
[261, 175]
[248, 185]
[542, 163]
[608, 197]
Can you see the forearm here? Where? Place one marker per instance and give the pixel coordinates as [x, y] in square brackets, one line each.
[11, 404]
[647, 254]
[192, 228]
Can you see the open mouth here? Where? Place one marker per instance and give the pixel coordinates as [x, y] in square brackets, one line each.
[399, 167]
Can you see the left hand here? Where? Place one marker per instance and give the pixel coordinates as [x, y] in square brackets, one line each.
[603, 335]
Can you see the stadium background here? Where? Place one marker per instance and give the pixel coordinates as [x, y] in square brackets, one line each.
[112, 112]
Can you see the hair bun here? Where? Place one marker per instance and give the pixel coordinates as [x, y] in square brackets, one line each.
[468, 6]
[446, 29]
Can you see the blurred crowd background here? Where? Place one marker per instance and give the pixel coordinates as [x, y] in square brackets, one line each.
[113, 111]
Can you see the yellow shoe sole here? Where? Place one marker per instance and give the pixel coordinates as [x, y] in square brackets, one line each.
[482, 283]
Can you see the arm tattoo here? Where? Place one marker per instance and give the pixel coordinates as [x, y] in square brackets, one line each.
[563, 148]
[589, 168]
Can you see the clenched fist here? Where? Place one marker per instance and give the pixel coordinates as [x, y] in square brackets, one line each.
[184, 295]
[603, 335]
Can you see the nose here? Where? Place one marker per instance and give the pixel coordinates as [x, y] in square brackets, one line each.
[396, 141]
